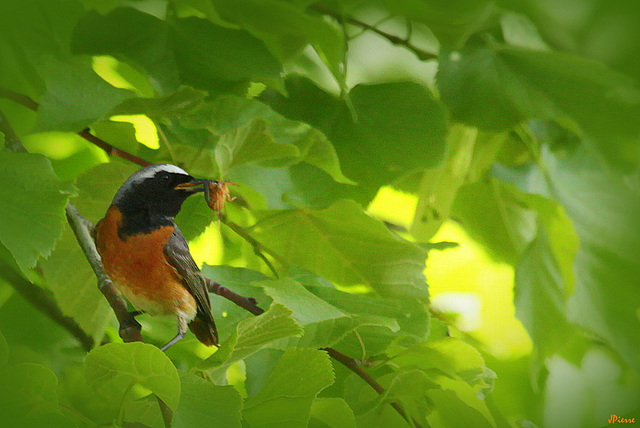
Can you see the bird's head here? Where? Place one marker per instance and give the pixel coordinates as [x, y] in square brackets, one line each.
[158, 190]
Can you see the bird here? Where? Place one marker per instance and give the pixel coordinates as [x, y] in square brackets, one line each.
[146, 255]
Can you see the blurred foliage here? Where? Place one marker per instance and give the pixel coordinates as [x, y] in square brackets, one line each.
[489, 145]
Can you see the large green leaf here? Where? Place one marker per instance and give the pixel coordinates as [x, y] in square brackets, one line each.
[287, 396]
[114, 368]
[232, 58]
[286, 29]
[205, 404]
[132, 36]
[253, 334]
[76, 96]
[172, 53]
[335, 412]
[495, 87]
[345, 245]
[32, 201]
[540, 297]
[390, 129]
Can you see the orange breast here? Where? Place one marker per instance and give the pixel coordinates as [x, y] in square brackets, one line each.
[140, 270]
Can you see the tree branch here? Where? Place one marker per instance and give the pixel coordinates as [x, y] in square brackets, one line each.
[392, 38]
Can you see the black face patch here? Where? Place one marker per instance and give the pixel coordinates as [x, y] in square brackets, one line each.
[151, 202]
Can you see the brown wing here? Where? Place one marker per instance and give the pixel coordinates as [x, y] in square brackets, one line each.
[178, 255]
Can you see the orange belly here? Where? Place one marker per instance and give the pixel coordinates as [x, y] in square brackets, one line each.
[139, 268]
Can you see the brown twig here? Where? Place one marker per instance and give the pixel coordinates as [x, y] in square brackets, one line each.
[247, 303]
[392, 38]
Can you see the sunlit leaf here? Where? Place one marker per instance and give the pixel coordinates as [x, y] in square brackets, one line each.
[347, 246]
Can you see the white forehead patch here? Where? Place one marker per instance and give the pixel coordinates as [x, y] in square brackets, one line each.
[144, 173]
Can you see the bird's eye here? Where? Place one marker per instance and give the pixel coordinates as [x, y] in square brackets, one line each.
[165, 178]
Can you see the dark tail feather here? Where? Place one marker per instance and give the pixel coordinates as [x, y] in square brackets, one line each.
[204, 328]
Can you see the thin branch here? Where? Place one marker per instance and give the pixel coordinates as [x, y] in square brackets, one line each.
[111, 150]
[247, 303]
[392, 38]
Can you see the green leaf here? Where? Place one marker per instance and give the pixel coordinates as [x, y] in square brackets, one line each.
[512, 225]
[286, 29]
[114, 368]
[288, 394]
[28, 390]
[134, 37]
[347, 246]
[604, 212]
[496, 87]
[250, 143]
[32, 201]
[145, 410]
[371, 150]
[451, 356]
[76, 96]
[205, 404]
[306, 308]
[451, 411]
[563, 240]
[75, 293]
[228, 113]
[335, 412]
[253, 334]
[540, 297]
[177, 104]
[232, 58]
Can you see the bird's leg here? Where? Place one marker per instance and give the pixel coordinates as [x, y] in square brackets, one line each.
[182, 330]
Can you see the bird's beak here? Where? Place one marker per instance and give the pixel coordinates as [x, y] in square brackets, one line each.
[193, 186]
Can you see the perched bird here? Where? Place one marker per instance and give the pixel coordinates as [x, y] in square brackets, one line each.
[147, 257]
